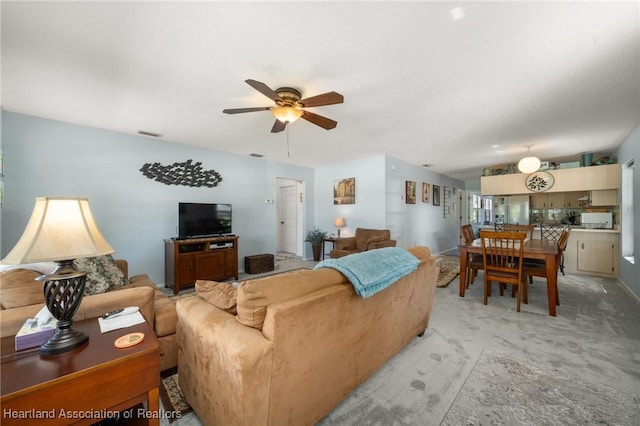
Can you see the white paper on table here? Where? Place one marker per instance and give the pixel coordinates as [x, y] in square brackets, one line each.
[120, 321]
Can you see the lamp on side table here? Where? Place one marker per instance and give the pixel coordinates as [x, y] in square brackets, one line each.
[61, 229]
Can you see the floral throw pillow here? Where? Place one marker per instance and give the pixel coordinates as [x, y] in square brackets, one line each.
[102, 274]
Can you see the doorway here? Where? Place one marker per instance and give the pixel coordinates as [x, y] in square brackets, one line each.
[290, 194]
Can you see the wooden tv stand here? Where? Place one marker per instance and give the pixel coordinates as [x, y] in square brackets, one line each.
[188, 260]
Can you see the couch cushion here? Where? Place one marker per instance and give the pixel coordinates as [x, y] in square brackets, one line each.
[254, 296]
[102, 274]
[18, 287]
[220, 295]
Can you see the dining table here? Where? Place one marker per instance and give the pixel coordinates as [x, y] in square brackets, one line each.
[546, 250]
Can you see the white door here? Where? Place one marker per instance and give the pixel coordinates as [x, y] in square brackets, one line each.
[288, 219]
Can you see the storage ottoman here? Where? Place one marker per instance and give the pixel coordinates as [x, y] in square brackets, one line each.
[258, 263]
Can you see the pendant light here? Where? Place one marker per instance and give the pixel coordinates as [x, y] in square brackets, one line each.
[529, 164]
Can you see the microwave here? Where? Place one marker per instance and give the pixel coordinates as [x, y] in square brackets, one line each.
[597, 220]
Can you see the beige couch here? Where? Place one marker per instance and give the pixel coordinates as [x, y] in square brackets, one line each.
[363, 240]
[300, 343]
[21, 298]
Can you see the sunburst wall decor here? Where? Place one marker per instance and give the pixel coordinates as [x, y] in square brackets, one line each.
[187, 173]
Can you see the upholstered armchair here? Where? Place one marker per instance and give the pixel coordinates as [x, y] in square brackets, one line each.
[364, 239]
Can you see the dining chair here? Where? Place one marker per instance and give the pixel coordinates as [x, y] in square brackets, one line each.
[521, 228]
[533, 268]
[501, 255]
[474, 261]
[553, 233]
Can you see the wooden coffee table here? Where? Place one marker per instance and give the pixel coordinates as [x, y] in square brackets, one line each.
[82, 386]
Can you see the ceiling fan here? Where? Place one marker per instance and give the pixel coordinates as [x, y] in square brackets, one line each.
[289, 106]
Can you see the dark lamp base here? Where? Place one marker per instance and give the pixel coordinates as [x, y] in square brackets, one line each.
[63, 290]
[63, 341]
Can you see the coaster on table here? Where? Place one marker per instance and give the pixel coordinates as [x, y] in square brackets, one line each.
[129, 340]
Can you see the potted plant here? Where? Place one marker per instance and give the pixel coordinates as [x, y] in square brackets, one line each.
[316, 238]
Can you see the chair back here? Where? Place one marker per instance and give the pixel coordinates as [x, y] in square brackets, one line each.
[521, 228]
[467, 234]
[562, 241]
[502, 254]
[552, 232]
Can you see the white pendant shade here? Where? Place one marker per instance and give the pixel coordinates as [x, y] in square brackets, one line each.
[286, 113]
[529, 164]
[59, 229]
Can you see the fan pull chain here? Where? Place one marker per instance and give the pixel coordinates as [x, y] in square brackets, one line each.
[288, 154]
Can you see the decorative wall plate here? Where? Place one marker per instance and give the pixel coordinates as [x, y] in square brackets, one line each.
[540, 181]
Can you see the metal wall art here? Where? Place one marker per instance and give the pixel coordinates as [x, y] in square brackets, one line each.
[186, 174]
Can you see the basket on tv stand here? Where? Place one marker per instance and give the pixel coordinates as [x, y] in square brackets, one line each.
[207, 258]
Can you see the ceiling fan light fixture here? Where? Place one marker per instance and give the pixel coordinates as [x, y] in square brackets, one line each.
[286, 113]
[529, 164]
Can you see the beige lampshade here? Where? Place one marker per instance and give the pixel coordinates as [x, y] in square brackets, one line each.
[286, 113]
[60, 228]
[338, 222]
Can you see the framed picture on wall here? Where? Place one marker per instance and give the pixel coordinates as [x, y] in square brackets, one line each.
[410, 189]
[426, 188]
[436, 195]
[344, 191]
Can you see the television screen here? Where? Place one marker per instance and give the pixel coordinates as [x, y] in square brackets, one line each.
[202, 219]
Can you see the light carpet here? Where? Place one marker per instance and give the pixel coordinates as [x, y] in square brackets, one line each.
[488, 364]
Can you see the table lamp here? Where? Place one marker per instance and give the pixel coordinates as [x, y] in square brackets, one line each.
[61, 229]
[338, 222]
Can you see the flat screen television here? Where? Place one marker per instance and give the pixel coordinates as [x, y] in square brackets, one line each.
[203, 219]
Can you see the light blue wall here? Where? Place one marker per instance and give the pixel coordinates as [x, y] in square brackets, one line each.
[135, 214]
[48, 158]
[630, 149]
[369, 208]
[422, 223]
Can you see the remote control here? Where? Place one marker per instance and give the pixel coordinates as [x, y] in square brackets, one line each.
[121, 311]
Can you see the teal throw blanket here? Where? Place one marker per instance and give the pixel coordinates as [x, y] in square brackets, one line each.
[374, 270]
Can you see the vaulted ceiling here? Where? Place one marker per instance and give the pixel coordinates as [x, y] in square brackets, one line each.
[420, 82]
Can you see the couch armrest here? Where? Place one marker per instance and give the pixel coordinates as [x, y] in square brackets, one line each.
[12, 319]
[97, 304]
[225, 367]
[348, 243]
[91, 307]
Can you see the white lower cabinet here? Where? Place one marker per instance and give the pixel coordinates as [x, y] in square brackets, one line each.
[595, 256]
[592, 252]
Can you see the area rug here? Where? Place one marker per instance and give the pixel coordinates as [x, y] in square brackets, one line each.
[449, 269]
[172, 398]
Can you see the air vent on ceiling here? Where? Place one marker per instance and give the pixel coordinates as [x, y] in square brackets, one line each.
[427, 165]
[256, 155]
[152, 134]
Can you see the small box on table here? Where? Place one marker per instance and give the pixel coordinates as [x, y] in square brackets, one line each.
[33, 334]
[258, 263]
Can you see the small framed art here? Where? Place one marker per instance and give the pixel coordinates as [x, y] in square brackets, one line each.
[426, 188]
[436, 195]
[344, 191]
[410, 189]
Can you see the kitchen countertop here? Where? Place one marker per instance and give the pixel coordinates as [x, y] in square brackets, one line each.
[574, 228]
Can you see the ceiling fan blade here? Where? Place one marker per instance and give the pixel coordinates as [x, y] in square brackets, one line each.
[264, 89]
[318, 120]
[328, 98]
[239, 110]
[278, 126]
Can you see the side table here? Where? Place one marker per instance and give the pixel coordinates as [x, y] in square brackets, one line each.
[330, 240]
[82, 386]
